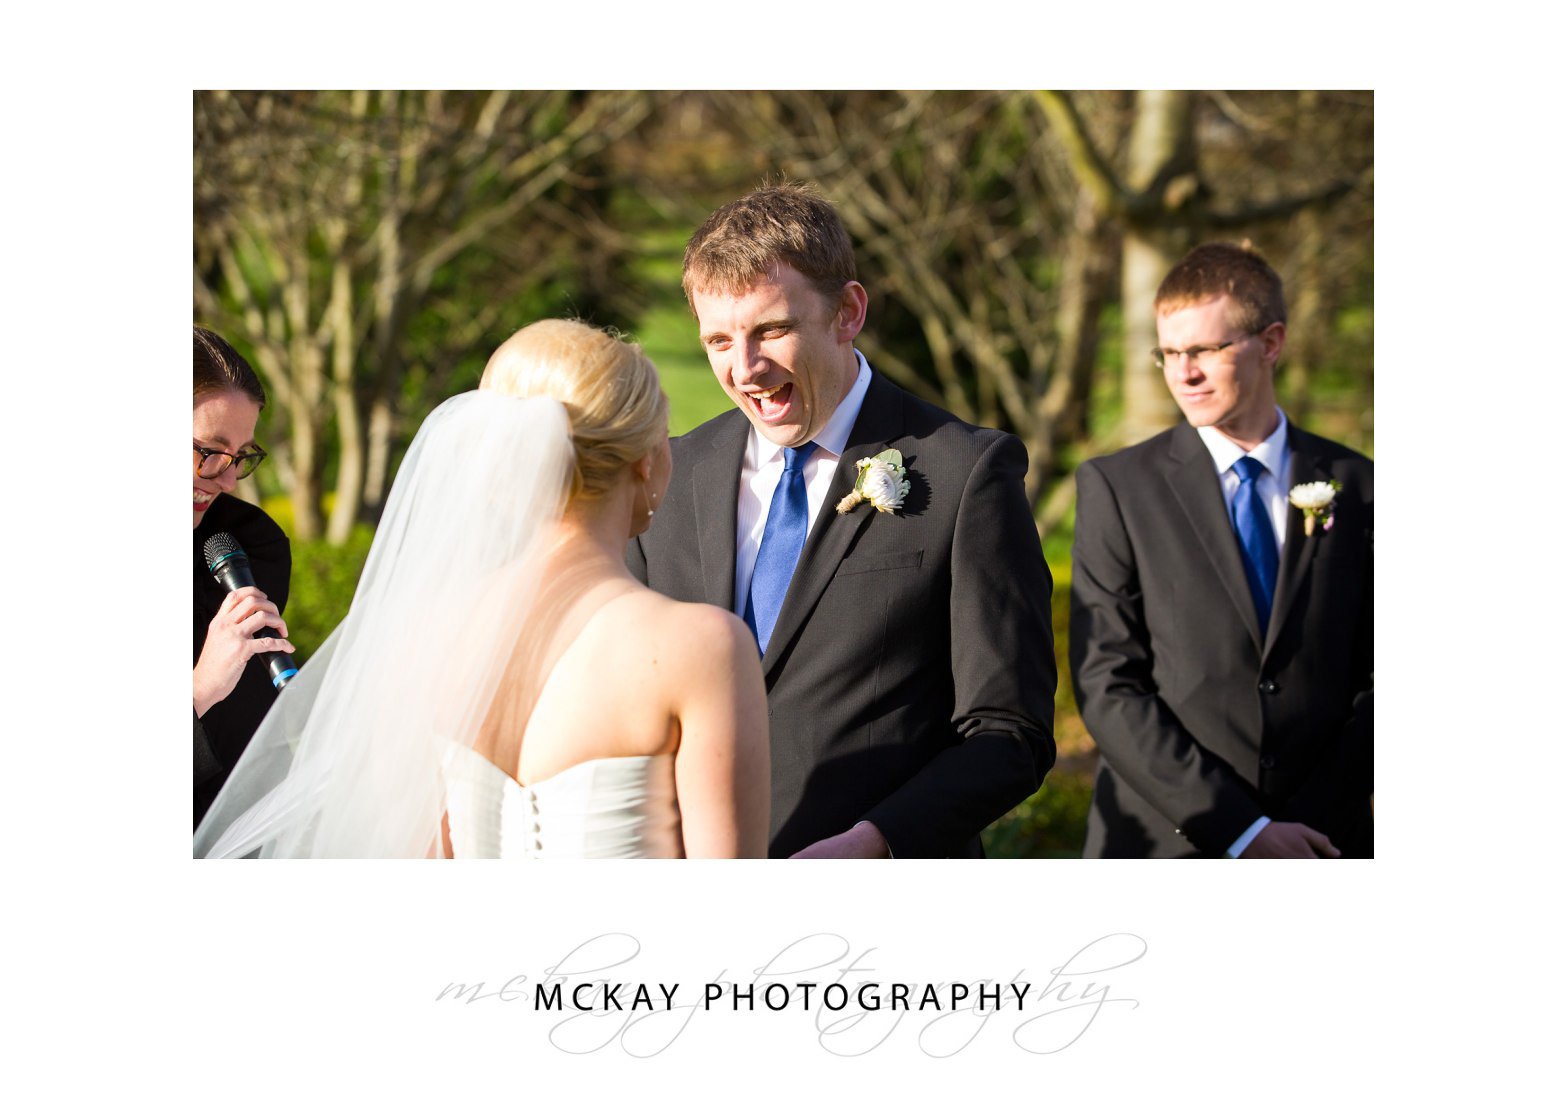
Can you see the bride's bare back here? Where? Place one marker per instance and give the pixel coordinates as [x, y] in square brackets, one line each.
[607, 668]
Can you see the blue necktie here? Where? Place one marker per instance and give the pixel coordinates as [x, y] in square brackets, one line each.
[783, 538]
[1254, 530]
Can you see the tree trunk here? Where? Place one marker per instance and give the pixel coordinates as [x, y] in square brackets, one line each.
[1060, 416]
[378, 456]
[1087, 280]
[305, 437]
[1160, 158]
[345, 405]
[1307, 345]
[1148, 406]
[305, 492]
[388, 308]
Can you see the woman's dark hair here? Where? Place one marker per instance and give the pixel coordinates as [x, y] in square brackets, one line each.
[220, 369]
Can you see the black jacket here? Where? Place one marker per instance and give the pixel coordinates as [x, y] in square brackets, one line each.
[1203, 722]
[910, 678]
[224, 731]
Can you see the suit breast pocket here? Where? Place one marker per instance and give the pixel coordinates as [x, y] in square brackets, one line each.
[865, 564]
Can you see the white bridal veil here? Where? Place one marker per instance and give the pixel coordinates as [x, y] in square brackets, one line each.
[347, 763]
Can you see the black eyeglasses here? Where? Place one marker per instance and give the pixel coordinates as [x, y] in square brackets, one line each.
[212, 463]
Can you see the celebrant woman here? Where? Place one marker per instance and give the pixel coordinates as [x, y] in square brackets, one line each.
[231, 690]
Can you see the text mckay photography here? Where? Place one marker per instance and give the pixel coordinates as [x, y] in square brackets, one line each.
[607, 993]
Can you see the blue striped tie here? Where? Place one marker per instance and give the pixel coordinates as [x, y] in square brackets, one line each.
[1254, 530]
[783, 538]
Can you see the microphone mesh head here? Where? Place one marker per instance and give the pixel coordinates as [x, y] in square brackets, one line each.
[220, 546]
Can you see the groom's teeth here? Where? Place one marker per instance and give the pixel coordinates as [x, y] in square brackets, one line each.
[769, 393]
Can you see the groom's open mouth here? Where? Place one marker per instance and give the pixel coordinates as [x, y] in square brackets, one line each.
[772, 404]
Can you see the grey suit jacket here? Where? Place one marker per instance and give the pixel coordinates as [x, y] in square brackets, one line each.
[1203, 721]
[910, 677]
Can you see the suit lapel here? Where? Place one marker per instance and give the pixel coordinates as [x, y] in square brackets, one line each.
[880, 422]
[714, 494]
[1196, 486]
[1298, 548]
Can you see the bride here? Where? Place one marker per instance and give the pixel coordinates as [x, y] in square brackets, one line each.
[502, 686]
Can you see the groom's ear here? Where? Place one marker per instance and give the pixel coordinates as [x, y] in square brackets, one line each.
[850, 320]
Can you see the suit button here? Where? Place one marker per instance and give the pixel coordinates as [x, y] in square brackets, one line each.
[1267, 761]
[1268, 687]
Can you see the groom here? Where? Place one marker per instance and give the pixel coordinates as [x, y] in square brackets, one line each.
[906, 640]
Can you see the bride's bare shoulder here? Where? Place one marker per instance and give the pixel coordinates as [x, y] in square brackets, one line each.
[692, 631]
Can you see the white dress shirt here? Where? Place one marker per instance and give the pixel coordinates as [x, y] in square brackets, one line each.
[1273, 487]
[1273, 483]
[763, 465]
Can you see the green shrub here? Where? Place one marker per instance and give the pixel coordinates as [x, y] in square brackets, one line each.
[1049, 824]
[322, 587]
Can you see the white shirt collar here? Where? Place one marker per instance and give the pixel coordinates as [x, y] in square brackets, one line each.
[1272, 452]
[834, 435]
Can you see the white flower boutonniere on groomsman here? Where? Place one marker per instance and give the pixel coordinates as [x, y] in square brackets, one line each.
[1315, 499]
[881, 482]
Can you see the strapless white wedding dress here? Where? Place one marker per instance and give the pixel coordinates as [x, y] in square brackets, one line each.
[610, 807]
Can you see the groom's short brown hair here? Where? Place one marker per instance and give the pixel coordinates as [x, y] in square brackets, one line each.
[790, 223]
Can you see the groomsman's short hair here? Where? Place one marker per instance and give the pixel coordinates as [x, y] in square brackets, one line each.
[1219, 268]
[790, 223]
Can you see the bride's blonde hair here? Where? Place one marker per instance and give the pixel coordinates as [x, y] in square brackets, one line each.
[610, 389]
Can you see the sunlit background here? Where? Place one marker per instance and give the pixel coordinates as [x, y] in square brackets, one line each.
[367, 250]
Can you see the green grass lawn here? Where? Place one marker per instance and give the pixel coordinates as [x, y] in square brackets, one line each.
[668, 334]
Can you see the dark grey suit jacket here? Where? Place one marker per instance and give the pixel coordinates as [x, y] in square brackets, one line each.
[1203, 722]
[910, 678]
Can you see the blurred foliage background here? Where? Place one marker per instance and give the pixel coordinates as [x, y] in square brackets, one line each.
[368, 249]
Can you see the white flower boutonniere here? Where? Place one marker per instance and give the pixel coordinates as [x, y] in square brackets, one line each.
[1316, 499]
[881, 482]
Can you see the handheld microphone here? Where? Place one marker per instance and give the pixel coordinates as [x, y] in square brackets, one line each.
[231, 567]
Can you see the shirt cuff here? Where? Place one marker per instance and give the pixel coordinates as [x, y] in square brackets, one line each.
[1247, 835]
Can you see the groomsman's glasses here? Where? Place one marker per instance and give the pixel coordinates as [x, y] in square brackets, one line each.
[1197, 354]
[211, 464]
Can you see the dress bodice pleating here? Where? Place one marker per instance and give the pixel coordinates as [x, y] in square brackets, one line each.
[610, 807]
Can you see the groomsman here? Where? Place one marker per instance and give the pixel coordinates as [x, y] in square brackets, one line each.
[1221, 642]
[901, 609]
